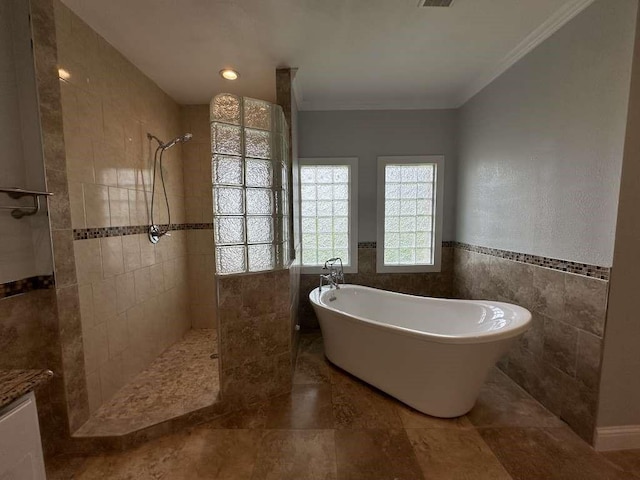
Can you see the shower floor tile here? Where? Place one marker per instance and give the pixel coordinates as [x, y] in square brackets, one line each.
[182, 379]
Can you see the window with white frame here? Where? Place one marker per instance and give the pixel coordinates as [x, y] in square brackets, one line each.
[328, 207]
[410, 213]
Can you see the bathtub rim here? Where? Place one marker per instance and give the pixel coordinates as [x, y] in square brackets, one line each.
[505, 334]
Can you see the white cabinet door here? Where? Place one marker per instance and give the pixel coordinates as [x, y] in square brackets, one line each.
[20, 447]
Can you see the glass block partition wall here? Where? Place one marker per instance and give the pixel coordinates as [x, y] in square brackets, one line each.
[250, 171]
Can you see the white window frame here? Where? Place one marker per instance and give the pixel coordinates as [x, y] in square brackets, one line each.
[438, 160]
[352, 163]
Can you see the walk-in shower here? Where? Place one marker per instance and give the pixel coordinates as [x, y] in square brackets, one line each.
[155, 232]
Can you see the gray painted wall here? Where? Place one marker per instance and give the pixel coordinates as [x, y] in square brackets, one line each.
[541, 147]
[370, 134]
[619, 387]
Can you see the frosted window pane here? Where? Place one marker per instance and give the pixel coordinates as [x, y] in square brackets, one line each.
[259, 229]
[341, 224]
[408, 207]
[342, 253]
[309, 225]
[407, 240]
[324, 174]
[392, 191]
[259, 173]
[257, 143]
[340, 192]
[409, 191]
[309, 256]
[226, 108]
[325, 240]
[257, 114]
[392, 240]
[424, 207]
[225, 139]
[228, 201]
[325, 224]
[325, 209]
[229, 230]
[227, 170]
[407, 224]
[308, 209]
[406, 256]
[390, 256]
[261, 257]
[425, 173]
[341, 241]
[325, 213]
[308, 192]
[325, 192]
[308, 175]
[340, 208]
[392, 207]
[309, 240]
[423, 255]
[341, 174]
[259, 201]
[231, 259]
[392, 224]
[409, 174]
[393, 173]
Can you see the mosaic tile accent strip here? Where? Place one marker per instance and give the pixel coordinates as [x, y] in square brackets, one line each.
[583, 269]
[104, 232]
[40, 282]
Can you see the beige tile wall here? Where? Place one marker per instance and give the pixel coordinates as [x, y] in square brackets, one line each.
[133, 295]
[196, 158]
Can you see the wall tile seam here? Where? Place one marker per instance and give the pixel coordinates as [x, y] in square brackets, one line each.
[567, 266]
[25, 285]
[121, 231]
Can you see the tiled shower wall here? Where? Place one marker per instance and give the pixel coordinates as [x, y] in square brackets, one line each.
[558, 359]
[133, 295]
[426, 284]
[196, 157]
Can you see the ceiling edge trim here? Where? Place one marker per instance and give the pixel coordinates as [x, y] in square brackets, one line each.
[531, 41]
[306, 105]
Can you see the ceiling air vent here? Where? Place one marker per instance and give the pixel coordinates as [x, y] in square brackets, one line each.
[435, 3]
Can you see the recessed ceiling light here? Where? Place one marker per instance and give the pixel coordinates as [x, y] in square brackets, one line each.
[229, 74]
[63, 74]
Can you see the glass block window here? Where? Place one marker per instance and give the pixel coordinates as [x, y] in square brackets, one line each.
[408, 216]
[328, 210]
[250, 168]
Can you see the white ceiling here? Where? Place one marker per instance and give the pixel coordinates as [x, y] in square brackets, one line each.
[350, 54]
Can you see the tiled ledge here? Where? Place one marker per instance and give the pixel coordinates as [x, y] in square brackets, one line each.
[104, 232]
[18, 287]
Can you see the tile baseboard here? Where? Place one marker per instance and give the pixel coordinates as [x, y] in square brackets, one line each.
[625, 437]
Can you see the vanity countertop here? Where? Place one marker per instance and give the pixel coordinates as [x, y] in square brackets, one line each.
[16, 383]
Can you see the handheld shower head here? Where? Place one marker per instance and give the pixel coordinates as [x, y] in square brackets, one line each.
[182, 138]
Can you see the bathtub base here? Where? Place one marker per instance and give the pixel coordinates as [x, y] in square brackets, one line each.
[441, 380]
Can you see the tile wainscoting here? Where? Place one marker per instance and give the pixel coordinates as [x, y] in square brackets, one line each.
[558, 359]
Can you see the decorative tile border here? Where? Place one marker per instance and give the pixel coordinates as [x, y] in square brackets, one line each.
[104, 232]
[584, 269]
[18, 287]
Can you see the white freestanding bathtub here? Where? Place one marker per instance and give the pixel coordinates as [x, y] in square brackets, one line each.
[432, 354]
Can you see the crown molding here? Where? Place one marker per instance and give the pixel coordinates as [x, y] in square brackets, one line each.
[535, 38]
[436, 104]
